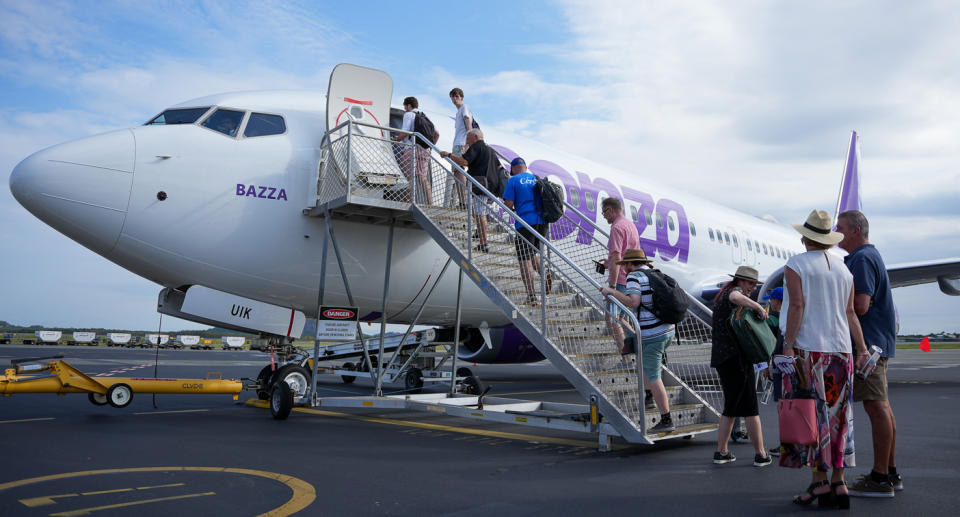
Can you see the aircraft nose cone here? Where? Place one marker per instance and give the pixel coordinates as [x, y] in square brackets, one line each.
[80, 188]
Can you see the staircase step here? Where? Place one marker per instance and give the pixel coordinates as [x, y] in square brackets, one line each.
[561, 329]
[682, 414]
[684, 430]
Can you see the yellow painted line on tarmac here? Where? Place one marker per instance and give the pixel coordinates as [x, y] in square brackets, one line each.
[159, 486]
[26, 420]
[170, 412]
[112, 491]
[88, 511]
[303, 493]
[44, 500]
[439, 427]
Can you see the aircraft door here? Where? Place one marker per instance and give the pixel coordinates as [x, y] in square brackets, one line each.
[361, 94]
[736, 247]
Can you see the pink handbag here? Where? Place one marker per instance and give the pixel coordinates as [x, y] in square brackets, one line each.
[798, 417]
[798, 421]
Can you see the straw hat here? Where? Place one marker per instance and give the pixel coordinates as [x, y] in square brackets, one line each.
[818, 228]
[633, 255]
[747, 273]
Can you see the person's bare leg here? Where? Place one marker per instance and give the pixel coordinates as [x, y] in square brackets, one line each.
[723, 433]
[756, 434]
[526, 272]
[882, 430]
[659, 394]
[892, 462]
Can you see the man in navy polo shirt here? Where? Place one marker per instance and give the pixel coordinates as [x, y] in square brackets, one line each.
[519, 196]
[873, 303]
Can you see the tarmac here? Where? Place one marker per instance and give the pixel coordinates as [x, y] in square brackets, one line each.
[206, 454]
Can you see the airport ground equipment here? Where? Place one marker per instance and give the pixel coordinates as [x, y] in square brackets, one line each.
[420, 360]
[82, 338]
[233, 342]
[53, 375]
[360, 177]
[48, 337]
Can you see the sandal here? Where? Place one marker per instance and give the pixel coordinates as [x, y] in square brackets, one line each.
[841, 501]
[822, 499]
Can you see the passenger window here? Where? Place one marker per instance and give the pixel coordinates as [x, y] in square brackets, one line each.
[710, 231]
[646, 215]
[574, 197]
[693, 229]
[178, 116]
[224, 121]
[749, 247]
[633, 213]
[591, 205]
[735, 243]
[670, 222]
[726, 237]
[261, 124]
[765, 249]
[659, 221]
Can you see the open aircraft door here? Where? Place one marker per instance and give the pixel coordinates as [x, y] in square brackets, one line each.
[363, 95]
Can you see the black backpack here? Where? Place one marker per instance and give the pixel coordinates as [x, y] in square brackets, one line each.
[670, 301]
[549, 197]
[422, 125]
[474, 124]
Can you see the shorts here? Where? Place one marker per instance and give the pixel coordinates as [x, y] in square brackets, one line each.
[874, 387]
[652, 354]
[422, 163]
[526, 241]
[739, 385]
[481, 205]
[458, 150]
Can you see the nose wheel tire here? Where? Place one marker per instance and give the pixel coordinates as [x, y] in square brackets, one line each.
[119, 395]
[296, 377]
[281, 401]
[472, 386]
[463, 371]
[97, 399]
[263, 381]
[347, 379]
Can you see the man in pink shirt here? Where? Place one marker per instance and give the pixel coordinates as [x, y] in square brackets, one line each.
[623, 236]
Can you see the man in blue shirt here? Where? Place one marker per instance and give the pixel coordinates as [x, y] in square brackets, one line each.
[519, 196]
[873, 303]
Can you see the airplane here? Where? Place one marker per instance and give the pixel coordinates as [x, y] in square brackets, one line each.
[211, 192]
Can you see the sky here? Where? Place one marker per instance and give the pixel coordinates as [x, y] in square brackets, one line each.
[747, 103]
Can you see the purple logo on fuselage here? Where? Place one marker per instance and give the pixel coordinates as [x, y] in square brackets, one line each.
[261, 192]
[582, 184]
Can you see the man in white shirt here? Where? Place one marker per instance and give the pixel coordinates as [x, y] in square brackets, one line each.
[463, 122]
[411, 150]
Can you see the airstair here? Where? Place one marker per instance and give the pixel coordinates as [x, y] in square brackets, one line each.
[365, 175]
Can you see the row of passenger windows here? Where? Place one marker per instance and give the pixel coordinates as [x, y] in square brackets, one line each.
[751, 245]
[224, 120]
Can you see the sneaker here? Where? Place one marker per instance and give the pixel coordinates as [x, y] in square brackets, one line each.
[720, 459]
[896, 481]
[762, 461]
[774, 451]
[865, 486]
[662, 427]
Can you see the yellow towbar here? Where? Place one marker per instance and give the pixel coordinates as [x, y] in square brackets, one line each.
[57, 376]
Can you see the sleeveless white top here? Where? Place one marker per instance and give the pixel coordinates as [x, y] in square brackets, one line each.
[827, 285]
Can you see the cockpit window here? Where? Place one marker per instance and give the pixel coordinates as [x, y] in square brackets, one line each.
[225, 121]
[261, 124]
[178, 116]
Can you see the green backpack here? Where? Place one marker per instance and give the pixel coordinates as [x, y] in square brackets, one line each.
[754, 336]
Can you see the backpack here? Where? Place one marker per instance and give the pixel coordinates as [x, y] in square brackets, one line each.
[549, 199]
[422, 125]
[474, 124]
[504, 177]
[754, 336]
[670, 301]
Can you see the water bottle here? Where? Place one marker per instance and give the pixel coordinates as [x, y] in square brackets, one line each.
[767, 392]
[864, 371]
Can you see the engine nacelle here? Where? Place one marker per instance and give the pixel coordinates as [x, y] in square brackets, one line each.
[950, 286]
[508, 346]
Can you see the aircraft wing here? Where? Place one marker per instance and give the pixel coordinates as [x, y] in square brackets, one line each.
[946, 272]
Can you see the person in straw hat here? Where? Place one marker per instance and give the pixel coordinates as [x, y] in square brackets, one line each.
[817, 330]
[655, 336]
[737, 379]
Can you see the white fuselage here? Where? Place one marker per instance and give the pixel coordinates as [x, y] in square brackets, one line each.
[102, 191]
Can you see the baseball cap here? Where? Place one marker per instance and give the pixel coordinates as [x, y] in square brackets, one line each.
[517, 161]
[776, 294]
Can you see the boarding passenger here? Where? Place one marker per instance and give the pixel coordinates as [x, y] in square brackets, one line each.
[873, 303]
[482, 164]
[820, 321]
[737, 378]
[519, 197]
[415, 157]
[655, 335]
[623, 236]
[462, 122]
[775, 299]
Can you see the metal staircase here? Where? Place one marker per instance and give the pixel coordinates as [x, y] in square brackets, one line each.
[560, 310]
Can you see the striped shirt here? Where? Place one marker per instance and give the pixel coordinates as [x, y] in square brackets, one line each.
[650, 325]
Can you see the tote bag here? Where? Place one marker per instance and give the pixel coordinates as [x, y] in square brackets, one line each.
[798, 417]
